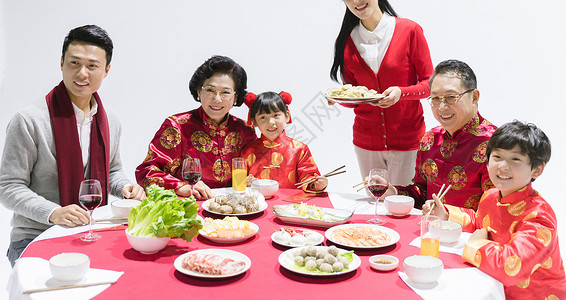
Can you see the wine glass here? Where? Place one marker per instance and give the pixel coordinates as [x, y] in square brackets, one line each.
[377, 183]
[191, 170]
[90, 197]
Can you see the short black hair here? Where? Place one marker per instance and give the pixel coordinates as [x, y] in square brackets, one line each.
[267, 102]
[460, 69]
[90, 34]
[222, 65]
[531, 139]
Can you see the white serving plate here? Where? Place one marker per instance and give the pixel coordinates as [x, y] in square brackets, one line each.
[342, 216]
[223, 252]
[254, 226]
[354, 100]
[286, 260]
[262, 206]
[319, 240]
[394, 235]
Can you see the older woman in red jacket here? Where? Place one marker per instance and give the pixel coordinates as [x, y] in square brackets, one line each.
[378, 50]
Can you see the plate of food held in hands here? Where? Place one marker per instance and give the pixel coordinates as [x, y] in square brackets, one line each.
[234, 204]
[293, 237]
[305, 214]
[228, 230]
[349, 94]
[212, 263]
[319, 260]
[362, 236]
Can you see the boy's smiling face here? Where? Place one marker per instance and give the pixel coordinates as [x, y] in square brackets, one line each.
[510, 170]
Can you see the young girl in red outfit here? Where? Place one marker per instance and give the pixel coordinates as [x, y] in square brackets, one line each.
[275, 155]
[378, 50]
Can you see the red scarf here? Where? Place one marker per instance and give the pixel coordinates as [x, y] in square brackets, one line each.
[70, 169]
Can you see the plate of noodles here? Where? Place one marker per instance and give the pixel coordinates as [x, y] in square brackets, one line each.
[362, 236]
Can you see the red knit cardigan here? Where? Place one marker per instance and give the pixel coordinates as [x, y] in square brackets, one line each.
[407, 64]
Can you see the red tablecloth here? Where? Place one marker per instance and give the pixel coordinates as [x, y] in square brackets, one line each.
[154, 276]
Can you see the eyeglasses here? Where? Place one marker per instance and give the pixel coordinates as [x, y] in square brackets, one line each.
[447, 99]
[211, 93]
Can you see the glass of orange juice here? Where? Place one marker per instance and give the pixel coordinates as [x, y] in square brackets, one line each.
[430, 235]
[239, 174]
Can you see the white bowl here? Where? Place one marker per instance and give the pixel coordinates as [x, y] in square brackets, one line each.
[383, 262]
[423, 268]
[267, 187]
[147, 245]
[399, 205]
[450, 231]
[121, 208]
[69, 266]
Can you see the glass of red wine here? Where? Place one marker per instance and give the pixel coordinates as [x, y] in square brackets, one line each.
[377, 183]
[191, 171]
[90, 197]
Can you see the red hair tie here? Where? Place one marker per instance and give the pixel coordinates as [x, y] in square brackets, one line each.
[250, 98]
[286, 97]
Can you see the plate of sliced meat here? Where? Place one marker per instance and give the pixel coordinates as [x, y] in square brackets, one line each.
[212, 263]
[362, 236]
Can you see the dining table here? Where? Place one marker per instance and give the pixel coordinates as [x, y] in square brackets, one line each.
[154, 276]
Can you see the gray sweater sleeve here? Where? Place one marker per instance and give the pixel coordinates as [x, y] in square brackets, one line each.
[117, 179]
[28, 173]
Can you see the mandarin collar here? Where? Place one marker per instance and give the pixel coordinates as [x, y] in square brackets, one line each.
[519, 195]
[275, 143]
[210, 123]
[471, 127]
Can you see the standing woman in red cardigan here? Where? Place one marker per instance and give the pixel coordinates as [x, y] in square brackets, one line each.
[378, 50]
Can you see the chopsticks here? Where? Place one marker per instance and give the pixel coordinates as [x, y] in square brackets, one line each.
[64, 287]
[442, 194]
[111, 219]
[331, 173]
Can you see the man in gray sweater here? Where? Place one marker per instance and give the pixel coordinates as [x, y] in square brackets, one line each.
[58, 141]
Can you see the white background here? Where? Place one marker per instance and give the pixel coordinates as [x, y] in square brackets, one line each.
[516, 48]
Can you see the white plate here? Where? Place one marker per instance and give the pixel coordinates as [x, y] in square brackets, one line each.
[341, 216]
[232, 240]
[286, 260]
[260, 199]
[392, 234]
[222, 252]
[354, 100]
[319, 238]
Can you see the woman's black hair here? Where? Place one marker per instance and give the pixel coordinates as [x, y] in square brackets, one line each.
[223, 65]
[531, 139]
[267, 102]
[348, 23]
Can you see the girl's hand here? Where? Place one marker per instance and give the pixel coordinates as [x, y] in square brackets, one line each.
[438, 209]
[392, 95]
[320, 184]
[249, 180]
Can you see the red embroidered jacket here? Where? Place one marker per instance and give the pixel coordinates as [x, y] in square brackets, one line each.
[522, 250]
[285, 160]
[194, 134]
[457, 160]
